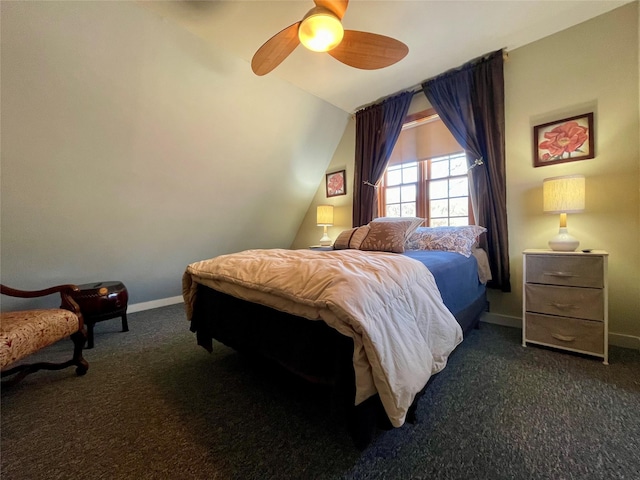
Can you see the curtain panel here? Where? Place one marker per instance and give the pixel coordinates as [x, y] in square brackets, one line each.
[470, 102]
[377, 130]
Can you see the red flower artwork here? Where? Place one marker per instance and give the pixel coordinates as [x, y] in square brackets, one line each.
[335, 184]
[563, 139]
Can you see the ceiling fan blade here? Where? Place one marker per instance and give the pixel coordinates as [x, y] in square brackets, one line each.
[368, 51]
[275, 50]
[338, 7]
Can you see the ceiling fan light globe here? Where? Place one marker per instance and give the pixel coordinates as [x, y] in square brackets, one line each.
[320, 32]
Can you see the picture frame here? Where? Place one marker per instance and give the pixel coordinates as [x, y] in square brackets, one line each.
[567, 140]
[336, 183]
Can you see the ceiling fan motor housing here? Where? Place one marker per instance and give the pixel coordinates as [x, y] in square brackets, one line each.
[320, 30]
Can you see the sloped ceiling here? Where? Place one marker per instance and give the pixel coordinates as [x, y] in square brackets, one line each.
[440, 35]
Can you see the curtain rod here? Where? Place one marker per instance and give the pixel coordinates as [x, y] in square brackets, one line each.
[417, 88]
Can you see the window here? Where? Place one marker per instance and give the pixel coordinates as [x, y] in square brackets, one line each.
[426, 176]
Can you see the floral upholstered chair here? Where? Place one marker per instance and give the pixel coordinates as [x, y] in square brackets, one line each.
[27, 331]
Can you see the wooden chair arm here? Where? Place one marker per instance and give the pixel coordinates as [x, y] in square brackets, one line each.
[65, 291]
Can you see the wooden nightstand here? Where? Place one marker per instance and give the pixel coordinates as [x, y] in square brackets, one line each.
[565, 301]
[321, 248]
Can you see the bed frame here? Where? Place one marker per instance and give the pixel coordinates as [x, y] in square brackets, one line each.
[308, 348]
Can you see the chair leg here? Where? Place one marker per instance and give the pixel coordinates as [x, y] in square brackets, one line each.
[22, 371]
[78, 360]
[125, 325]
[89, 333]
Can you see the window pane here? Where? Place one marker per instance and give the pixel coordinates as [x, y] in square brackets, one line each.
[409, 209]
[442, 180]
[410, 174]
[438, 222]
[393, 210]
[408, 193]
[394, 176]
[440, 169]
[439, 189]
[458, 187]
[458, 207]
[393, 195]
[439, 208]
[459, 165]
[459, 221]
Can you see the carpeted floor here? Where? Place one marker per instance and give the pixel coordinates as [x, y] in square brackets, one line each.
[156, 406]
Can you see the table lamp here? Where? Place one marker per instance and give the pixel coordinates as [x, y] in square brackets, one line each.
[563, 195]
[324, 219]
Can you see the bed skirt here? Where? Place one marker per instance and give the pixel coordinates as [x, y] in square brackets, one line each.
[308, 348]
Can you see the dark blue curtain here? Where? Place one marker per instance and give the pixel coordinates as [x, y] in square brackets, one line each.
[377, 130]
[470, 102]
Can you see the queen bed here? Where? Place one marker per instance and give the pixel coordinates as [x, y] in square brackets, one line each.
[372, 325]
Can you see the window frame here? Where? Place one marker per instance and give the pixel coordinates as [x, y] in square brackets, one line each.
[424, 177]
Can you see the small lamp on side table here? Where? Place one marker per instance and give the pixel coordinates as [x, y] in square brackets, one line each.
[563, 195]
[324, 218]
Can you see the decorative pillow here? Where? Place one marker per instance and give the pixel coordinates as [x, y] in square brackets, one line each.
[386, 236]
[451, 239]
[415, 223]
[351, 238]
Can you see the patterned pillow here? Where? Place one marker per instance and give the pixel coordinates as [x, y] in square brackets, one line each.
[351, 238]
[415, 222]
[451, 239]
[386, 236]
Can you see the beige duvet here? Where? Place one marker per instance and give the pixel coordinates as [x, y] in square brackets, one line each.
[387, 303]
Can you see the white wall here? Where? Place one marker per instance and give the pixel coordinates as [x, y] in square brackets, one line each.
[131, 148]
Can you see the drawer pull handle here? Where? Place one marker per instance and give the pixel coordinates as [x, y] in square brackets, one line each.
[562, 306]
[560, 274]
[563, 338]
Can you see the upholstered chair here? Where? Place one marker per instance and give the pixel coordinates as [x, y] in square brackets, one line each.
[25, 332]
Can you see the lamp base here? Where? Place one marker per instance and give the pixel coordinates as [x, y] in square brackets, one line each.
[563, 242]
[325, 241]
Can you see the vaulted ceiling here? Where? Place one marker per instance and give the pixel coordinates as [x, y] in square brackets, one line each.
[440, 35]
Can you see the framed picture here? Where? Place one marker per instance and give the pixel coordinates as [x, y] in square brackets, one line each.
[336, 184]
[566, 140]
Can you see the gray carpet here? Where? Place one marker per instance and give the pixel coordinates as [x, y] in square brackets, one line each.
[154, 405]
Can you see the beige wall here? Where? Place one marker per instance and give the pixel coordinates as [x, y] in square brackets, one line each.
[599, 73]
[130, 148]
[591, 67]
[309, 233]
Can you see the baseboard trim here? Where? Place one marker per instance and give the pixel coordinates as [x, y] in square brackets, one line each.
[624, 341]
[162, 302]
[617, 339]
[504, 320]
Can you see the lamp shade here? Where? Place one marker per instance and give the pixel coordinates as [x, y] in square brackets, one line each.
[563, 194]
[325, 215]
[320, 30]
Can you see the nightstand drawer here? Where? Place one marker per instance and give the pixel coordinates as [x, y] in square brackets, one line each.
[582, 335]
[571, 270]
[574, 302]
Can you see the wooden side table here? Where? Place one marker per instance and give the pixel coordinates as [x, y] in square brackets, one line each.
[102, 301]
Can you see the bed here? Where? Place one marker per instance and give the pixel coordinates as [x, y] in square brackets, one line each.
[242, 305]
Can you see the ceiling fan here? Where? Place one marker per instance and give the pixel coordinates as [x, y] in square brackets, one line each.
[321, 30]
